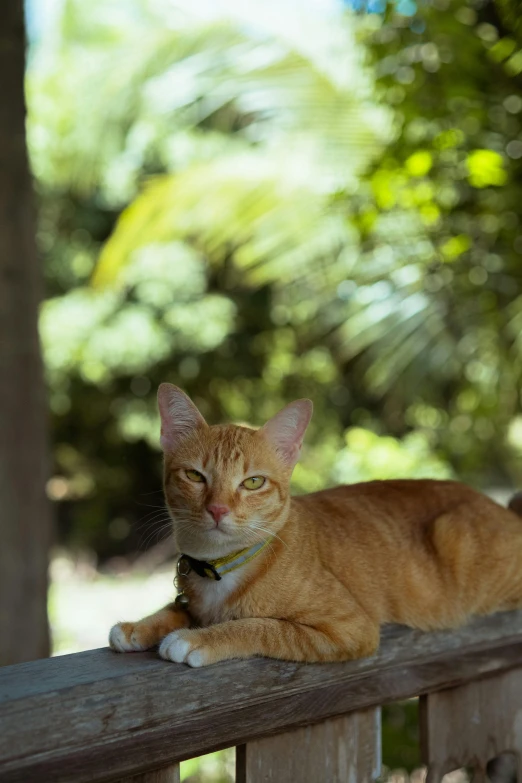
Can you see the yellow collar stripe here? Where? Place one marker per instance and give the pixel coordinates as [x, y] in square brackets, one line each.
[224, 565]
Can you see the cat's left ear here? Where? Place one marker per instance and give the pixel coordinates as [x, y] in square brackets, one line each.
[285, 431]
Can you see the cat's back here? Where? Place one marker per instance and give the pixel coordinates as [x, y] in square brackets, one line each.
[395, 502]
[401, 547]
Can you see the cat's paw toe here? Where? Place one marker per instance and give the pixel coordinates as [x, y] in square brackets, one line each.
[181, 647]
[123, 638]
[197, 658]
[175, 647]
[118, 639]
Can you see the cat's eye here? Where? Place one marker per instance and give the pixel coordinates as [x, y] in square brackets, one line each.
[254, 482]
[195, 475]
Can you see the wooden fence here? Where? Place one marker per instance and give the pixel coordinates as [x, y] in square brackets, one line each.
[100, 716]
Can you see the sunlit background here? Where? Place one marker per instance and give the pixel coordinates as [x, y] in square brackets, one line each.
[264, 201]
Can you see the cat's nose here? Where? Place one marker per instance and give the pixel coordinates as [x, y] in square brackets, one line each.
[217, 512]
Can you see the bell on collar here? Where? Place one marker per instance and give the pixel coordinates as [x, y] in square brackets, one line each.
[182, 601]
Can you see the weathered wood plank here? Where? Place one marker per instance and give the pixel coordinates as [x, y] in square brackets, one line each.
[101, 716]
[337, 750]
[166, 775]
[469, 725]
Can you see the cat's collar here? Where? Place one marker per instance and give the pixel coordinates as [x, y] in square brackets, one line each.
[215, 569]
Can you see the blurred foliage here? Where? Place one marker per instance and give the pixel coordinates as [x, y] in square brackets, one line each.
[214, 768]
[455, 169]
[259, 207]
[400, 735]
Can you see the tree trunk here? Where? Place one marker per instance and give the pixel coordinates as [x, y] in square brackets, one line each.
[25, 519]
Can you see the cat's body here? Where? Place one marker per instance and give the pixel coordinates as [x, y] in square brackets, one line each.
[429, 554]
[422, 553]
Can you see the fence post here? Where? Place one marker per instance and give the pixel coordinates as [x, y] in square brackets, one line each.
[471, 725]
[336, 750]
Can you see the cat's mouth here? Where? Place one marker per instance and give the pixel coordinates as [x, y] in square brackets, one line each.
[207, 528]
[213, 529]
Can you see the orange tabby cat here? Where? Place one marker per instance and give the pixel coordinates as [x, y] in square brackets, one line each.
[312, 578]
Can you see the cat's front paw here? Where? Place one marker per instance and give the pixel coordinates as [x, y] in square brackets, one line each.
[183, 647]
[126, 637]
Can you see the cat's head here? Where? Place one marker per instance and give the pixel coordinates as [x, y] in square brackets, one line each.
[226, 487]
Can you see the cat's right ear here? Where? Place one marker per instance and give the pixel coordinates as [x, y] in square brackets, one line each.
[285, 431]
[179, 416]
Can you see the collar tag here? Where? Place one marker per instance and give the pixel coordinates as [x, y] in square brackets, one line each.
[200, 567]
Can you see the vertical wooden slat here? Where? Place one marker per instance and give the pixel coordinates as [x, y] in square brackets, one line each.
[339, 750]
[165, 775]
[472, 724]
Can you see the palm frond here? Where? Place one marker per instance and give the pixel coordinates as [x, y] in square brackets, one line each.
[265, 209]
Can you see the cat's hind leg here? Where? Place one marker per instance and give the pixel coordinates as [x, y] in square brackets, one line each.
[148, 632]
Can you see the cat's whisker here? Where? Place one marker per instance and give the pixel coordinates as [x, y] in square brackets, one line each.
[157, 510]
[159, 524]
[152, 519]
[144, 526]
[255, 526]
[158, 538]
[179, 510]
[150, 505]
[154, 534]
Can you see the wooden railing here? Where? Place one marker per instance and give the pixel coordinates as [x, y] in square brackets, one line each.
[100, 716]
